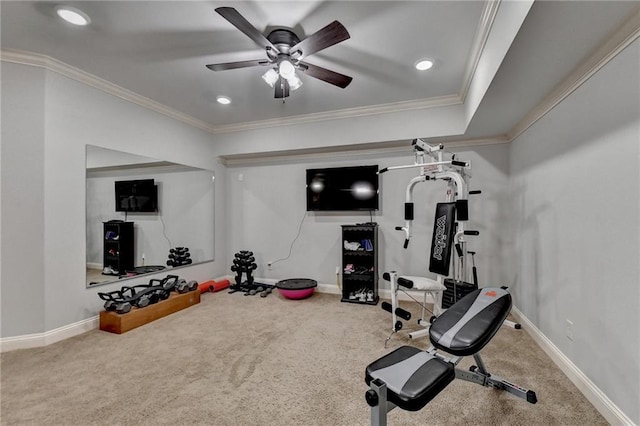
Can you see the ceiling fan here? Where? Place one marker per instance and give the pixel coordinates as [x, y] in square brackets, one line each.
[285, 54]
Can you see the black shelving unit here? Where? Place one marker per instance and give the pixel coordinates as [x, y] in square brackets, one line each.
[360, 264]
[118, 247]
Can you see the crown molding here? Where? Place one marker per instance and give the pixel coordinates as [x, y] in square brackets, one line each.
[59, 67]
[483, 30]
[612, 45]
[434, 102]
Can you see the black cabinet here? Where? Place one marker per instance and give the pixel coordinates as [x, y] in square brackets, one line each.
[360, 264]
[117, 257]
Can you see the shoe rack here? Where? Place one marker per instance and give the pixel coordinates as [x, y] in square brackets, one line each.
[360, 263]
[117, 256]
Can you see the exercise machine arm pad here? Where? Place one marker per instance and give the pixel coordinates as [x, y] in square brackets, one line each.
[405, 282]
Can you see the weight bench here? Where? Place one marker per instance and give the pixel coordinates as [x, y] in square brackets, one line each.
[409, 378]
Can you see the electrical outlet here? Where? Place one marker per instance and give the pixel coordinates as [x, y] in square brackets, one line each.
[269, 265]
[569, 330]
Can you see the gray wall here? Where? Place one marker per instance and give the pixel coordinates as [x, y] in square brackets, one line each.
[575, 200]
[48, 120]
[266, 207]
[22, 278]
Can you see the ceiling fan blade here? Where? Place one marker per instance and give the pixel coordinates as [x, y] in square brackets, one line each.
[238, 21]
[240, 64]
[324, 74]
[282, 88]
[332, 34]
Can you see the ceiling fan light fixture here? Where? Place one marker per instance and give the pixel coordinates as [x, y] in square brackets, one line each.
[270, 77]
[424, 64]
[73, 16]
[294, 82]
[286, 69]
[224, 100]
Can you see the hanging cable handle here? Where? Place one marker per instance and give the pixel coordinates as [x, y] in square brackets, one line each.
[406, 240]
[475, 192]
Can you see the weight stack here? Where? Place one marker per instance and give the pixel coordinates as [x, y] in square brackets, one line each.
[462, 288]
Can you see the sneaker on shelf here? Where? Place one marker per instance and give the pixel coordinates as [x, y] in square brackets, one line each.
[351, 246]
[108, 270]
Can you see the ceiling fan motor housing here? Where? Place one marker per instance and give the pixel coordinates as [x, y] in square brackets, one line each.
[283, 39]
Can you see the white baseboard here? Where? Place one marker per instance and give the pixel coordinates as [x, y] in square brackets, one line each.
[43, 339]
[97, 266]
[600, 401]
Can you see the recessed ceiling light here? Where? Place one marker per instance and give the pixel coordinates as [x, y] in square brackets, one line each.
[424, 64]
[72, 15]
[224, 100]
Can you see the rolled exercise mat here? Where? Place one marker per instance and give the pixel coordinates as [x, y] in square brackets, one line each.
[213, 286]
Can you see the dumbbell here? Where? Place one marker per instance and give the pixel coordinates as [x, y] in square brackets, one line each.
[243, 255]
[123, 307]
[179, 250]
[179, 255]
[182, 286]
[244, 261]
[266, 292]
[117, 307]
[192, 285]
[254, 291]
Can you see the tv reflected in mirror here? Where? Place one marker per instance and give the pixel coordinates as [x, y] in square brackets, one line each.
[139, 195]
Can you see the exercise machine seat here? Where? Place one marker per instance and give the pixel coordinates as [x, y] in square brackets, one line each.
[467, 326]
[424, 284]
[413, 377]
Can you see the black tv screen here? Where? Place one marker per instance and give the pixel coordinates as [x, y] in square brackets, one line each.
[136, 196]
[342, 188]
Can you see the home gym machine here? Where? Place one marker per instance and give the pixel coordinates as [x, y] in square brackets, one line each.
[449, 232]
[409, 378]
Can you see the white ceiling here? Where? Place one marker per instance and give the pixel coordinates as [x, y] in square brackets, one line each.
[159, 50]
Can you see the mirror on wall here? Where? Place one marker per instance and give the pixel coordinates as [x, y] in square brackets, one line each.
[145, 215]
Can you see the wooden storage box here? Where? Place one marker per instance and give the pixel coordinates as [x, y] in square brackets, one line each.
[121, 323]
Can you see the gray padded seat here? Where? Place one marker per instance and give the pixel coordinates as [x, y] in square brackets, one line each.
[414, 377]
[467, 326]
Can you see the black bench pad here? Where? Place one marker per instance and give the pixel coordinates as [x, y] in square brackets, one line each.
[467, 326]
[413, 377]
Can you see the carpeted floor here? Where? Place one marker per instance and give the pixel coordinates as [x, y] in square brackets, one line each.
[236, 360]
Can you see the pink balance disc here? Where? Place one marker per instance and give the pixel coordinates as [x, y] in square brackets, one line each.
[296, 288]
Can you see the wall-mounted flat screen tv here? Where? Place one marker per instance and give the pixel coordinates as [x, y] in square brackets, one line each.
[140, 196]
[343, 188]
